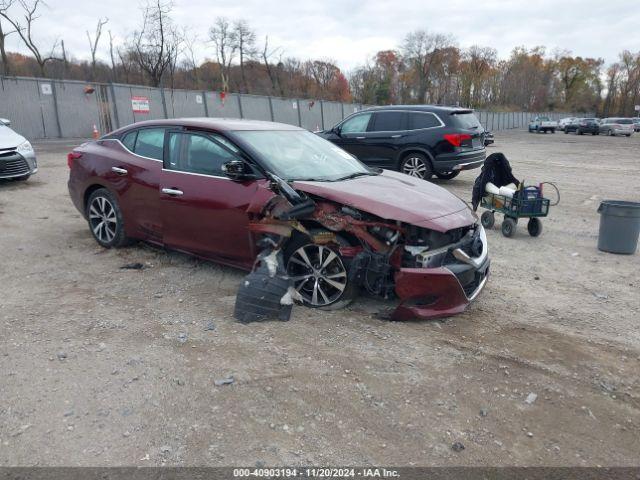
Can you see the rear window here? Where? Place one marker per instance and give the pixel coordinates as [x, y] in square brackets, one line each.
[389, 122]
[422, 120]
[150, 143]
[623, 121]
[466, 120]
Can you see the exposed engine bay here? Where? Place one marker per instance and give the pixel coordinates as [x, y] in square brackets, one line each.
[377, 253]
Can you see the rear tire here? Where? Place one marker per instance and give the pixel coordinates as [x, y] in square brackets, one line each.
[448, 175]
[534, 227]
[488, 219]
[416, 165]
[508, 227]
[105, 219]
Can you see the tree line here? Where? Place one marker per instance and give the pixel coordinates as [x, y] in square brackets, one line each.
[425, 68]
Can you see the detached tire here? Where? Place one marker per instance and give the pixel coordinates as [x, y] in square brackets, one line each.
[534, 227]
[508, 227]
[105, 219]
[488, 219]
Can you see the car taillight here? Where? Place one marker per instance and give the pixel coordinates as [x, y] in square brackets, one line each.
[71, 156]
[456, 139]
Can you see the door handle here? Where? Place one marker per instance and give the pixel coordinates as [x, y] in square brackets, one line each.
[360, 138]
[119, 171]
[172, 191]
[396, 136]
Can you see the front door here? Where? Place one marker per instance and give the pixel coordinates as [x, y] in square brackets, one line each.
[352, 135]
[203, 211]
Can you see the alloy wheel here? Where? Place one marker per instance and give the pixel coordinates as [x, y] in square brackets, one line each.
[415, 167]
[318, 274]
[103, 219]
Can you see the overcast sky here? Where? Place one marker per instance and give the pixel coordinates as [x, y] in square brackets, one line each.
[350, 31]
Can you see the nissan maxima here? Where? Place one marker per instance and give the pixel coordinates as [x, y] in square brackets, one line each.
[214, 188]
[17, 158]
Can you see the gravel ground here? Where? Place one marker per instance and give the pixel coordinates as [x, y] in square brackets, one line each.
[105, 366]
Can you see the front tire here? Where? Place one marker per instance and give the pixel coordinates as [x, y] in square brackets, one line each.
[416, 165]
[105, 219]
[319, 273]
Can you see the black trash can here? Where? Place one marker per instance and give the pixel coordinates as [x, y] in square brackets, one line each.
[619, 226]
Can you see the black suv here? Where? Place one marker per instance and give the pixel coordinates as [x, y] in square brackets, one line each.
[582, 126]
[419, 140]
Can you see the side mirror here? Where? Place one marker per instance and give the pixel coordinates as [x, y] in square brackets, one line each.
[5, 121]
[336, 130]
[235, 170]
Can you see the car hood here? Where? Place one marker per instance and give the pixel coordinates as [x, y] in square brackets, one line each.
[9, 138]
[395, 196]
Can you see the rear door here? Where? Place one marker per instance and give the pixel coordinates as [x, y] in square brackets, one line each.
[204, 211]
[134, 170]
[385, 138]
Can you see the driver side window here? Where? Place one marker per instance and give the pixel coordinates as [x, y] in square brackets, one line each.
[203, 153]
[356, 124]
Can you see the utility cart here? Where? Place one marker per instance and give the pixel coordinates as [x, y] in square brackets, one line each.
[527, 202]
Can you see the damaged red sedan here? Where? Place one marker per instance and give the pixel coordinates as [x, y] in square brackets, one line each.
[216, 188]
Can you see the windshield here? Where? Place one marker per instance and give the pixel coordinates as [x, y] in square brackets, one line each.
[543, 119]
[301, 155]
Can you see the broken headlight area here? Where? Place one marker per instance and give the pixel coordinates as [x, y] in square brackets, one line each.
[430, 249]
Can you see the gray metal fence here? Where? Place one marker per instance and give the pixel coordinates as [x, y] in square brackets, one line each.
[46, 108]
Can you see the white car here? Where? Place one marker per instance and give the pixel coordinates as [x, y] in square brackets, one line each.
[17, 158]
[542, 124]
[563, 122]
[616, 126]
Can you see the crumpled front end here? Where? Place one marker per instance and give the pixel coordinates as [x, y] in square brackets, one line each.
[435, 268]
[443, 281]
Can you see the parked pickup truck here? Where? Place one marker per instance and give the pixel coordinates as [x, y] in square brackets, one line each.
[543, 124]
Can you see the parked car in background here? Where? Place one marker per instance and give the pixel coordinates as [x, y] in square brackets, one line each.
[583, 125]
[542, 124]
[17, 158]
[418, 140]
[488, 138]
[214, 188]
[617, 126]
[563, 122]
[636, 124]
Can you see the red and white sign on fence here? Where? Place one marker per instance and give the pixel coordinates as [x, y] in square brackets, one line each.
[140, 104]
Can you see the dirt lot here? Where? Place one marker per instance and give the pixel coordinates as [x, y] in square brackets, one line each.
[105, 366]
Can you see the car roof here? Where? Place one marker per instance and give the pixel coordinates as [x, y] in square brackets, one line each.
[220, 124]
[421, 108]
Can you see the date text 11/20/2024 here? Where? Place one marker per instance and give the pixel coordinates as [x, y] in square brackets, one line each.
[318, 472]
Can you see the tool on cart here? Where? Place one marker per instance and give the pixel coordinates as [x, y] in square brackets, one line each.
[497, 190]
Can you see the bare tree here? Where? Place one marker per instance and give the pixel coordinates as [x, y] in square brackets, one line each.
[189, 42]
[6, 68]
[30, 15]
[93, 44]
[420, 50]
[246, 43]
[155, 43]
[224, 40]
[273, 74]
[114, 75]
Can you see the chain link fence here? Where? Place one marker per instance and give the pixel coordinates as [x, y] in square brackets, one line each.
[45, 108]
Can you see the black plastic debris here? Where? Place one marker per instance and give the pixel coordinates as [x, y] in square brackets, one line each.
[132, 266]
[266, 293]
